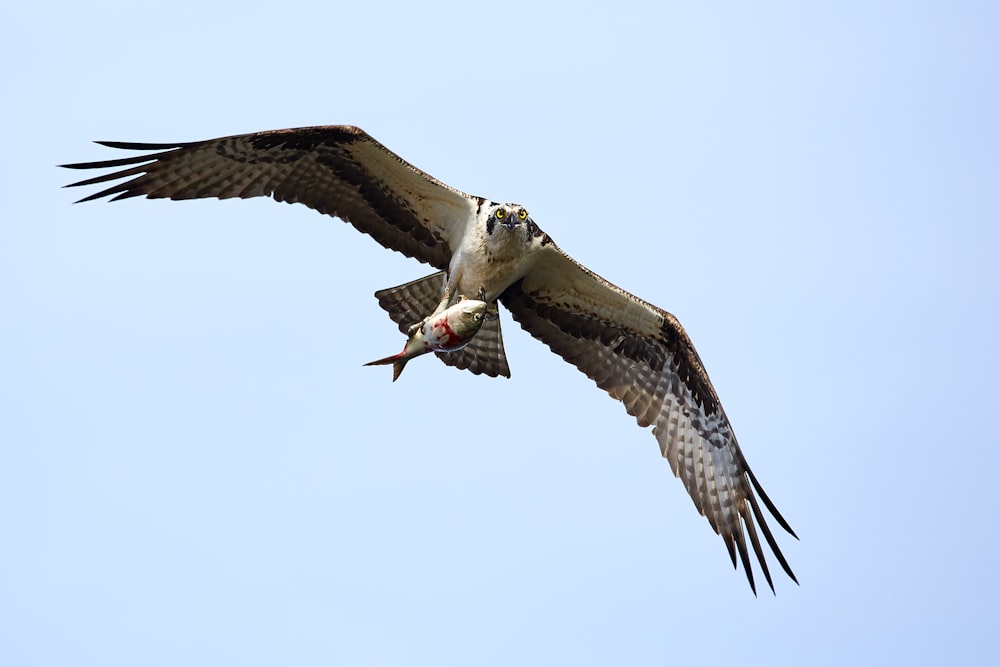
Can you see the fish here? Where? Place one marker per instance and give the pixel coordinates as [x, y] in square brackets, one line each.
[449, 330]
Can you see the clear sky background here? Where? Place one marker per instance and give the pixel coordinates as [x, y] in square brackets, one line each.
[197, 470]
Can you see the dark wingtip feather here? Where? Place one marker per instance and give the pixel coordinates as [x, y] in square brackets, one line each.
[137, 164]
[139, 146]
[741, 545]
[125, 161]
[769, 537]
[731, 548]
[768, 504]
[755, 542]
[88, 197]
[114, 189]
[129, 194]
[108, 164]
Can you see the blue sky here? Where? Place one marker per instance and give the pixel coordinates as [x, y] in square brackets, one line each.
[196, 468]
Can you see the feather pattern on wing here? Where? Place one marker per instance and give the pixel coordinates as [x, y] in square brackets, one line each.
[642, 356]
[336, 170]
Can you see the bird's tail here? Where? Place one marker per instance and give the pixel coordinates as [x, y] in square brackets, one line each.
[398, 362]
[412, 302]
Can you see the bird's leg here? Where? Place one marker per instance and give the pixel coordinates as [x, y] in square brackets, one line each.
[446, 295]
[448, 292]
[481, 295]
[492, 312]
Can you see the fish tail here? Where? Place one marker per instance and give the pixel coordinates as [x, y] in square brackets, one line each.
[398, 361]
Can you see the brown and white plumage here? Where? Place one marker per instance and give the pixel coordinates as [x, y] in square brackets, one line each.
[635, 351]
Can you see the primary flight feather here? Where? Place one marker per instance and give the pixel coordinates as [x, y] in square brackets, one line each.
[492, 251]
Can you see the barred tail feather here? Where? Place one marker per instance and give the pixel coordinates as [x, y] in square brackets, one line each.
[412, 302]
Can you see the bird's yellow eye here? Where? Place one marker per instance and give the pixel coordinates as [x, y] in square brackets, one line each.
[501, 214]
[522, 214]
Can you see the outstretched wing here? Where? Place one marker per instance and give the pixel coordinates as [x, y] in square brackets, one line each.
[641, 355]
[410, 303]
[337, 170]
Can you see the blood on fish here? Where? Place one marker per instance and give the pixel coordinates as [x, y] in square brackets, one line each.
[438, 335]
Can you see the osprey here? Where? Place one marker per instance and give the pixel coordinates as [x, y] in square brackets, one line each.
[635, 351]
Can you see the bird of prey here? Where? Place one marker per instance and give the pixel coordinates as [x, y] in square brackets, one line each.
[635, 351]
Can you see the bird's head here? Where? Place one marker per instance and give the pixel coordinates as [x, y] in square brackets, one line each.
[511, 217]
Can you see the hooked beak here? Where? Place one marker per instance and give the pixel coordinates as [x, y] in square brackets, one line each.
[511, 221]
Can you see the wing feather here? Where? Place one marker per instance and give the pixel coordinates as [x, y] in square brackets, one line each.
[642, 356]
[336, 170]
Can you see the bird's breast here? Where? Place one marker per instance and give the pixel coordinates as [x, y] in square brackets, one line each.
[492, 268]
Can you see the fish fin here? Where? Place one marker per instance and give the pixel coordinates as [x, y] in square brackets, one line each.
[398, 361]
[484, 354]
[385, 361]
[411, 303]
